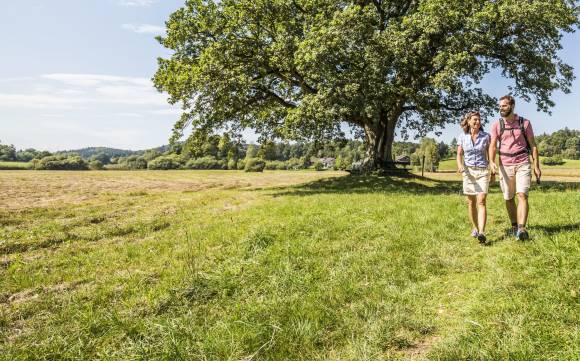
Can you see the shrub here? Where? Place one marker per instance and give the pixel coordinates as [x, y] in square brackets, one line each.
[275, 165]
[318, 165]
[254, 165]
[207, 162]
[241, 164]
[232, 164]
[132, 162]
[295, 163]
[116, 167]
[555, 160]
[61, 162]
[96, 164]
[165, 162]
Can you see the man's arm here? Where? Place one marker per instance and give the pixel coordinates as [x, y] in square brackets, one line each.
[535, 154]
[535, 157]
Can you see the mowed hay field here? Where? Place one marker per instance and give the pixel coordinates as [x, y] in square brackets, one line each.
[224, 265]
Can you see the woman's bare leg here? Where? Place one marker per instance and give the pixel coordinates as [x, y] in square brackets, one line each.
[472, 210]
[481, 212]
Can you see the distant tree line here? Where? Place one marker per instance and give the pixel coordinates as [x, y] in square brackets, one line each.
[222, 152]
[9, 154]
[560, 145]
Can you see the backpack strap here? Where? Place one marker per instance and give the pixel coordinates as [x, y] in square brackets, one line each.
[528, 148]
[502, 128]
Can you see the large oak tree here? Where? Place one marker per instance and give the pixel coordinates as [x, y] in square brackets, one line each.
[297, 69]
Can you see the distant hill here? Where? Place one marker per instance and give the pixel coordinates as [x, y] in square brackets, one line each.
[87, 153]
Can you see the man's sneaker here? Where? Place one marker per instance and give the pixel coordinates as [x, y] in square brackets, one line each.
[474, 233]
[512, 232]
[522, 235]
[481, 238]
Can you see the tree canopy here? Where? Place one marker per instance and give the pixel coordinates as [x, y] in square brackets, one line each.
[297, 69]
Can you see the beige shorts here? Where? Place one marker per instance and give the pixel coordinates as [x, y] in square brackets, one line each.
[475, 180]
[515, 179]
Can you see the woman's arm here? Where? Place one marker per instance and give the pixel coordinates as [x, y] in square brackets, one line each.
[459, 159]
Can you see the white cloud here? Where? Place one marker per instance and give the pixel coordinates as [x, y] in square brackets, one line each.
[40, 100]
[95, 79]
[172, 111]
[144, 28]
[137, 3]
[128, 115]
[68, 91]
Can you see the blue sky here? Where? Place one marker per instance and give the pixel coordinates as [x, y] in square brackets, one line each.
[76, 73]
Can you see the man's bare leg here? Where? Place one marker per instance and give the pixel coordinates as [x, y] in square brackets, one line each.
[523, 209]
[512, 210]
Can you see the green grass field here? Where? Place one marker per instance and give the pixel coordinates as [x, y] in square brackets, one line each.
[225, 265]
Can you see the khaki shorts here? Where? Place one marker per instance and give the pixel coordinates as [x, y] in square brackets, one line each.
[515, 179]
[475, 180]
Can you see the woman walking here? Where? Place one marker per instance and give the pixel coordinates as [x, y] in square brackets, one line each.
[472, 163]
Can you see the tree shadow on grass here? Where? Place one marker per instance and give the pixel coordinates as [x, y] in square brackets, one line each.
[359, 184]
[553, 186]
[403, 183]
[557, 228]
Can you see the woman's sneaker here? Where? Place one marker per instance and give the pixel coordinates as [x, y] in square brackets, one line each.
[481, 238]
[474, 233]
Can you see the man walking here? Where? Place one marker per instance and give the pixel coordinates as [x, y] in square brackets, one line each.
[516, 142]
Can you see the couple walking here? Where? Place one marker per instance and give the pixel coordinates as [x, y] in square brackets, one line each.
[476, 155]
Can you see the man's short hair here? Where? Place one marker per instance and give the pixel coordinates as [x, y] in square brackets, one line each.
[509, 98]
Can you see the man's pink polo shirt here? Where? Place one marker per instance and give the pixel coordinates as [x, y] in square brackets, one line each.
[513, 141]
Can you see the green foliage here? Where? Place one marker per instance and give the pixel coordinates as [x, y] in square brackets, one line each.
[61, 162]
[404, 148]
[102, 157]
[317, 165]
[267, 151]
[7, 153]
[89, 152]
[297, 69]
[453, 148]
[251, 151]
[564, 142]
[150, 154]
[166, 162]
[296, 163]
[429, 150]
[132, 162]
[207, 162]
[555, 160]
[29, 154]
[254, 165]
[443, 150]
[275, 165]
[95, 165]
[232, 164]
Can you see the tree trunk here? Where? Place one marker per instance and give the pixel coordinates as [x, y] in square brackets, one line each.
[379, 138]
